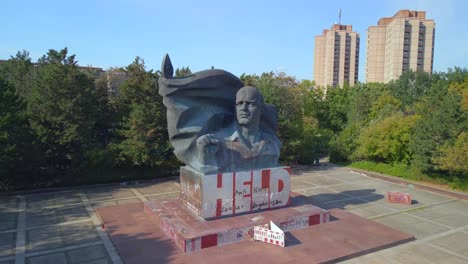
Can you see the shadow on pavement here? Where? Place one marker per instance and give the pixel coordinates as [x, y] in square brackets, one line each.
[337, 200]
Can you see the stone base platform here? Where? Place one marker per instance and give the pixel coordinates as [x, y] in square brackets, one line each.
[191, 233]
[139, 240]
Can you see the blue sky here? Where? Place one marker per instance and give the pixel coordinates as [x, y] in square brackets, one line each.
[240, 36]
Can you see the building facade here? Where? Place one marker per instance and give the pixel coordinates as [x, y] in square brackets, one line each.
[336, 56]
[399, 43]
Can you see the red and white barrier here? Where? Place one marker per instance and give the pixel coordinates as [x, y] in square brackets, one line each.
[399, 197]
[272, 235]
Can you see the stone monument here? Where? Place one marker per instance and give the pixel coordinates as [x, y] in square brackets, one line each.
[225, 134]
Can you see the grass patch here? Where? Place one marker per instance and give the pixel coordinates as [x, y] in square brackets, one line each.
[408, 172]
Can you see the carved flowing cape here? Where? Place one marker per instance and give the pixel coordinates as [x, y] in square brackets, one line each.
[200, 104]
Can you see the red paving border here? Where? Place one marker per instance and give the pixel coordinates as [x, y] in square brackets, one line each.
[138, 239]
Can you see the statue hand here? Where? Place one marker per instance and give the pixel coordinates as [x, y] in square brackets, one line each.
[207, 146]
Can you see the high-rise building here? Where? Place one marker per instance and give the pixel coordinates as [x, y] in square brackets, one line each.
[399, 43]
[336, 56]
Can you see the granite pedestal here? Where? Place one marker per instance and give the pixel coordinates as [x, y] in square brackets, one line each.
[233, 193]
[192, 234]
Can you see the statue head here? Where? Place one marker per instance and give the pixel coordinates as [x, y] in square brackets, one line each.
[249, 106]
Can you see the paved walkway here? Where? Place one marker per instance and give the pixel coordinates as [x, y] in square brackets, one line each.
[61, 227]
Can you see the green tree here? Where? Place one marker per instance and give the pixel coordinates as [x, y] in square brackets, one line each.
[248, 80]
[454, 157]
[458, 80]
[384, 106]
[18, 71]
[107, 116]
[62, 110]
[279, 90]
[442, 120]
[411, 87]
[183, 72]
[333, 114]
[387, 140]
[343, 145]
[19, 157]
[143, 137]
[362, 98]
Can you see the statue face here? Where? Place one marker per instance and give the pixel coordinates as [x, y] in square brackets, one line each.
[248, 107]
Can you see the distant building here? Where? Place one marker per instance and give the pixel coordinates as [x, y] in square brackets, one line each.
[115, 78]
[399, 43]
[336, 56]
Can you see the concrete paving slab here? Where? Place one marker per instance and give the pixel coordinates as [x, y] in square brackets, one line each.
[323, 181]
[320, 196]
[168, 186]
[8, 221]
[8, 204]
[384, 187]
[7, 244]
[164, 195]
[60, 236]
[456, 242]
[408, 224]
[108, 193]
[57, 258]
[343, 204]
[43, 239]
[87, 254]
[41, 216]
[364, 181]
[305, 174]
[73, 213]
[371, 259]
[358, 207]
[368, 210]
[79, 233]
[103, 203]
[52, 199]
[301, 184]
[453, 214]
[348, 176]
[8, 213]
[98, 261]
[353, 192]
[422, 253]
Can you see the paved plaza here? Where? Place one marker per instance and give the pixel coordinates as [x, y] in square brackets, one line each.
[62, 227]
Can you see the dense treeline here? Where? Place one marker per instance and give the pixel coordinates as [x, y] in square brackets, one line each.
[418, 123]
[62, 125]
